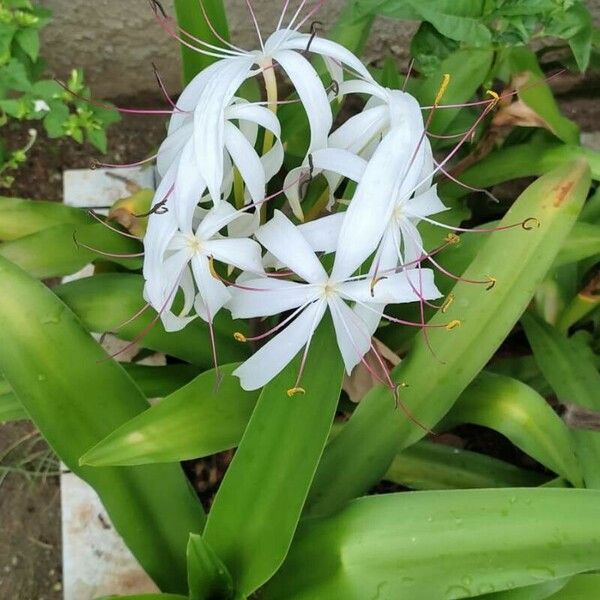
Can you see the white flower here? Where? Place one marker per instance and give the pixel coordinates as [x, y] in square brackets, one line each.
[310, 301]
[183, 259]
[40, 106]
[182, 155]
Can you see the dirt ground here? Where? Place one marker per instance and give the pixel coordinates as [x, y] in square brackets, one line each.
[30, 551]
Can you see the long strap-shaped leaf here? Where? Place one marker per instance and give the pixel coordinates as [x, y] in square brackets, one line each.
[200, 419]
[518, 260]
[76, 396]
[575, 379]
[107, 302]
[255, 513]
[523, 416]
[450, 545]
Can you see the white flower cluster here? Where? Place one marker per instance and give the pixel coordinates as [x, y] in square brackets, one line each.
[211, 154]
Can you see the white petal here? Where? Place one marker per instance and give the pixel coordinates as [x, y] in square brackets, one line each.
[213, 292]
[358, 131]
[312, 94]
[339, 161]
[172, 146]
[358, 86]
[246, 160]
[372, 205]
[245, 225]
[398, 288]
[353, 336]
[176, 322]
[218, 217]
[283, 239]
[242, 253]
[322, 234]
[273, 357]
[425, 204]
[272, 161]
[412, 243]
[268, 296]
[260, 115]
[209, 118]
[330, 49]
[189, 188]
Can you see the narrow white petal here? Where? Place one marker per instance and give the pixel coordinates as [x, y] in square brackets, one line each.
[272, 161]
[273, 357]
[242, 253]
[246, 160]
[371, 208]
[329, 49]
[254, 113]
[339, 161]
[209, 118]
[412, 243]
[213, 292]
[215, 219]
[268, 296]
[358, 86]
[283, 239]
[189, 188]
[353, 335]
[312, 94]
[358, 131]
[398, 288]
[172, 146]
[425, 204]
[322, 234]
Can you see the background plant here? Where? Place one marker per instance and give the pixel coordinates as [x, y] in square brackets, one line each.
[286, 522]
[27, 95]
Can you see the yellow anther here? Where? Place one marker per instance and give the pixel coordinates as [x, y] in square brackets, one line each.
[211, 268]
[295, 390]
[492, 282]
[453, 325]
[530, 223]
[452, 238]
[402, 385]
[494, 95]
[239, 337]
[447, 303]
[443, 88]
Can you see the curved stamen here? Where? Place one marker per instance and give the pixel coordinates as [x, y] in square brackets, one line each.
[214, 30]
[95, 164]
[465, 185]
[93, 214]
[126, 111]
[162, 87]
[254, 20]
[103, 253]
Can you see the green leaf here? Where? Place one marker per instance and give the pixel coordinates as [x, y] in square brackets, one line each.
[535, 92]
[583, 242]
[518, 412]
[251, 529]
[581, 587]
[146, 597]
[430, 466]
[198, 420]
[56, 120]
[207, 576]
[14, 76]
[98, 139]
[158, 382]
[107, 302]
[523, 368]
[29, 40]
[19, 217]
[574, 379]
[468, 69]
[518, 260]
[60, 250]
[75, 396]
[530, 592]
[479, 541]
[192, 20]
[11, 409]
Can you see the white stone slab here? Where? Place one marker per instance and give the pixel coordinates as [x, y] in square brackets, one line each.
[96, 562]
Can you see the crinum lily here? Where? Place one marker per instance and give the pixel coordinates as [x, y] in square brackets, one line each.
[337, 292]
[213, 89]
[183, 258]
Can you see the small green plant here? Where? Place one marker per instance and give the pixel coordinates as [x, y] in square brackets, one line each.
[26, 95]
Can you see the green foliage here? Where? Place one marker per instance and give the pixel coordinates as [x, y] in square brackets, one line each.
[26, 96]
